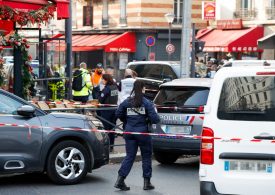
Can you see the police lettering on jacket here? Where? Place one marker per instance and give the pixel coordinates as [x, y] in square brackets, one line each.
[136, 119]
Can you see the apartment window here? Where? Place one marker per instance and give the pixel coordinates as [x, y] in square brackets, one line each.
[178, 11]
[265, 96]
[74, 11]
[272, 3]
[246, 4]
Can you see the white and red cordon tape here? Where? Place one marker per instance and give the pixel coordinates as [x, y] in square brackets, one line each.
[132, 133]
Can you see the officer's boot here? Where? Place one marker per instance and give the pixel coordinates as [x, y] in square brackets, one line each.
[120, 184]
[147, 184]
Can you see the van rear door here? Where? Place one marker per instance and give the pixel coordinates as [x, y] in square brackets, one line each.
[243, 121]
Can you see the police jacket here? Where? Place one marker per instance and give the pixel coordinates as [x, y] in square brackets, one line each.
[109, 95]
[136, 119]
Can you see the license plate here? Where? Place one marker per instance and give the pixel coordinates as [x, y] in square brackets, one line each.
[178, 129]
[248, 166]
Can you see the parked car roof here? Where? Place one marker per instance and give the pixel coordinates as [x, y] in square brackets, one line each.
[198, 82]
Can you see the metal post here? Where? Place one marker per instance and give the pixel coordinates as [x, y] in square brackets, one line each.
[68, 39]
[193, 57]
[169, 40]
[17, 69]
[185, 39]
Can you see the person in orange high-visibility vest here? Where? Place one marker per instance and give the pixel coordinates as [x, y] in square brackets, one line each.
[96, 80]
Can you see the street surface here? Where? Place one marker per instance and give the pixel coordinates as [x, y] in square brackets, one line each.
[180, 178]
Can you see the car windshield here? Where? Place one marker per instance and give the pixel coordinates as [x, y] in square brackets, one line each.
[248, 98]
[154, 71]
[182, 96]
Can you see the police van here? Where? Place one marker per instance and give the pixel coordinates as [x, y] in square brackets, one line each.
[180, 107]
[237, 147]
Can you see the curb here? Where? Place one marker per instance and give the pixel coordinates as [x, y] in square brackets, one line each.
[118, 158]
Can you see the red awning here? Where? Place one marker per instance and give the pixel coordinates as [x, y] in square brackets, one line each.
[125, 42]
[244, 40]
[29, 5]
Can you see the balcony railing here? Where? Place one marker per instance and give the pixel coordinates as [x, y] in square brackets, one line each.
[270, 13]
[177, 20]
[246, 14]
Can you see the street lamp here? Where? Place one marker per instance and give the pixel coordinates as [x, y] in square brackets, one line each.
[170, 18]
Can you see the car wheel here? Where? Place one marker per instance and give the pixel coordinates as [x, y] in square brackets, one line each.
[68, 163]
[166, 158]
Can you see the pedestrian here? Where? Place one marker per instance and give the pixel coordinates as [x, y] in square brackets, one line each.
[96, 80]
[81, 83]
[126, 85]
[136, 112]
[109, 95]
[110, 70]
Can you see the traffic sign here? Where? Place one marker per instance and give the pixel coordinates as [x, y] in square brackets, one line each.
[170, 48]
[150, 41]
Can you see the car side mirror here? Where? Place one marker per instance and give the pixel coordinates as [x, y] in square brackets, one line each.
[26, 110]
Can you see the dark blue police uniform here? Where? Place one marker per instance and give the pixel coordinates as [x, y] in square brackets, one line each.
[109, 95]
[135, 120]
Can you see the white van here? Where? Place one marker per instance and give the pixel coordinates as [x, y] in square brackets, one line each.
[235, 63]
[238, 143]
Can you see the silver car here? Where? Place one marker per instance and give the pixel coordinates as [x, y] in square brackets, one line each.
[39, 145]
[180, 107]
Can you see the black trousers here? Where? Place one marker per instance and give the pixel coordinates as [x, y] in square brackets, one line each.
[82, 99]
[132, 144]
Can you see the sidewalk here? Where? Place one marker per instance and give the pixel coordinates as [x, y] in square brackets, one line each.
[119, 151]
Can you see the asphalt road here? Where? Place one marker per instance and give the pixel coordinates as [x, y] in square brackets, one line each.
[180, 178]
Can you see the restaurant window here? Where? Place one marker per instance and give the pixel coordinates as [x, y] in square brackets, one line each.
[178, 11]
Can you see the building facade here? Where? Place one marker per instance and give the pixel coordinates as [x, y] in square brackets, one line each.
[143, 18]
[253, 13]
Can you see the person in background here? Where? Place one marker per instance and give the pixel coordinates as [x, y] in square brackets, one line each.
[136, 112]
[109, 95]
[110, 70]
[126, 85]
[81, 83]
[96, 80]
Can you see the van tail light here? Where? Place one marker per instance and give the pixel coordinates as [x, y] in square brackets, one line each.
[200, 109]
[207, 146]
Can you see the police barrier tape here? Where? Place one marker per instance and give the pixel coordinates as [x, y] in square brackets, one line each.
[133, 133]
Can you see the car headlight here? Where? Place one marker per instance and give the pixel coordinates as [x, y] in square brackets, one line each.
[97, 125]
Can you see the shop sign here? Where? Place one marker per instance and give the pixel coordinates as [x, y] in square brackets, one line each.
[229, 24]
[87, 16]
[119, 49]
[208, 10]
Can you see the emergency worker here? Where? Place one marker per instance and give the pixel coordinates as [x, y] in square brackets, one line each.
[126, 85]
[96, 80]
[109, 95]
[136, 112]
[81, 83]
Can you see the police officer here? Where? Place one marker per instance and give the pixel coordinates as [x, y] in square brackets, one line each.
[109, 95]
[136, 111]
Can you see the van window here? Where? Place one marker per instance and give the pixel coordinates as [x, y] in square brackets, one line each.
[255, 103]
[181, 97]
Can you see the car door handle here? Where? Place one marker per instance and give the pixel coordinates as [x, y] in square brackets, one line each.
[270, 137]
